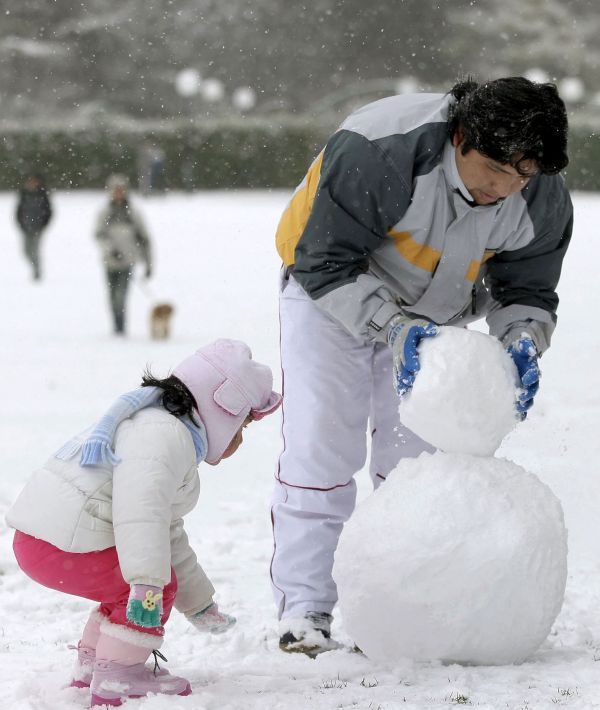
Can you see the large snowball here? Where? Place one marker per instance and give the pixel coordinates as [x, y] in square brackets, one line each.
[456, 558]
[463, 399]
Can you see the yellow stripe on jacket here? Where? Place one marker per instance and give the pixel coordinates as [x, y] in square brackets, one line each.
[418, 255]
[294, 219]
[474, 266]
[427, 258]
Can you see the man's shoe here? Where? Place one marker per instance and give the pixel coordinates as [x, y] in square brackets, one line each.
[308, 634]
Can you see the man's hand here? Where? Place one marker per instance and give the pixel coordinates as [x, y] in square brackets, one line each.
[404, 336]
[144, 607]
[525, 356]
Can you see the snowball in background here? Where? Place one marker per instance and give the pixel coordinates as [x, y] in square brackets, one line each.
[572, 89]
[187, 82]
[454, 557]
[407, 85]
[244, 98]
[463, 399]
[212, 90]
[540, 76]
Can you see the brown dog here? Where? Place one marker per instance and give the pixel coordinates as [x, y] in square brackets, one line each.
[160, 321]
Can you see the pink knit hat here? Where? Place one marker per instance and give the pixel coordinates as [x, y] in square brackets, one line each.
[228, 386]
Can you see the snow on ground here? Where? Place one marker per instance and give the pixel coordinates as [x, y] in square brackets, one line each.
[215, 260]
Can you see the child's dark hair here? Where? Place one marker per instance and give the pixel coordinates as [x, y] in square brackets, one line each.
[507, 117]
[176, 398]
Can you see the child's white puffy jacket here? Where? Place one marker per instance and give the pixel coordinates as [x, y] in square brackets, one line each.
[137, 506]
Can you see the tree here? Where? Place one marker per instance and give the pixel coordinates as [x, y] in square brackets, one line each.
[513, 37]
[82, 61]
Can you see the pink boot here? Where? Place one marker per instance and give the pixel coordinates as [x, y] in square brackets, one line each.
[113, 683]
[120, 671]
[86, 651]
[84, 666]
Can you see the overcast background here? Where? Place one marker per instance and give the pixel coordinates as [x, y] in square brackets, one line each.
[105, 60]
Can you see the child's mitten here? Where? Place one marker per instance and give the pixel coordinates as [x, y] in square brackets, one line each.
[144, 607]
[211, 619]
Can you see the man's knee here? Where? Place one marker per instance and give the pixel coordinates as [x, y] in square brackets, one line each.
[306, 504]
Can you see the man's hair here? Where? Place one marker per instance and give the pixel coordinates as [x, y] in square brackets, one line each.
[510, 117]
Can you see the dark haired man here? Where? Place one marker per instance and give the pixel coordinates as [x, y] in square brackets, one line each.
[421, 210]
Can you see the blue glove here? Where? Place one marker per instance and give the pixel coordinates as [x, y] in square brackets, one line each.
[404, 336]
[144, 607]
[525, 356]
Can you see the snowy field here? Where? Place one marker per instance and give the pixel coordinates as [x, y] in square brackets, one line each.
[216, 262]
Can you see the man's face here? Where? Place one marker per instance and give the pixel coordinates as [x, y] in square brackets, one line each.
[487, 180]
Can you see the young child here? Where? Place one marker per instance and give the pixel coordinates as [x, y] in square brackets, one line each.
[102, 519]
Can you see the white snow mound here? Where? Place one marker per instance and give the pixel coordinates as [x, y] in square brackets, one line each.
[455, 558]
[463, 399]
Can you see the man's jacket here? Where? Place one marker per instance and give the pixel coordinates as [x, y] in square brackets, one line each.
[382, 224]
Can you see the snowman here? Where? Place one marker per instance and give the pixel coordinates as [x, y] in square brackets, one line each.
[460, 556]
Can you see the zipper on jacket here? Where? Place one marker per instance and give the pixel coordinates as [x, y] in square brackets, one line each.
[473, 300]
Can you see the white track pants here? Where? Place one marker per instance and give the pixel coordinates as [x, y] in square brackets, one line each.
[336, 388]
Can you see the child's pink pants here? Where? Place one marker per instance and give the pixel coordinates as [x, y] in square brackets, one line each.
[92, 575]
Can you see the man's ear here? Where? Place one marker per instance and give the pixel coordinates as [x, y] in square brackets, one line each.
[458, 137]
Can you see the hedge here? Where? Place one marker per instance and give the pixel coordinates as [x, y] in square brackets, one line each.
[217, 155]
[583, 171]
[213, 156]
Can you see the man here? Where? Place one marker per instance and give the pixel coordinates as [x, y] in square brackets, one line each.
[33, 214]
[123, 241]
[421, 210]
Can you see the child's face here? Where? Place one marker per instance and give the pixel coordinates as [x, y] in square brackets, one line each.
[236, 442]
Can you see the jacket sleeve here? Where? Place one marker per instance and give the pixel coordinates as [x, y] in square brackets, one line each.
[20, 216]
[523, 281]
[360, 196]
[142, 240]
[101, 232]
[194, 589]
[47, 209]
[145, 483]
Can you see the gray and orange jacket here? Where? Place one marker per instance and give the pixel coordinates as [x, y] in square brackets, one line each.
[383, 224]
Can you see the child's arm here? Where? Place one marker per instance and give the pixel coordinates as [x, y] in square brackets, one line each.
[194, 589]
[145, 483]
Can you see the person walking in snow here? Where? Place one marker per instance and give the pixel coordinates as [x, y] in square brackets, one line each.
[33, 214]
[422, 210]
[151, 168]
[123, 241]
[103, 518]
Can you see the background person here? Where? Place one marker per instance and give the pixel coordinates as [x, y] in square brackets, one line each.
[33, 214]
[421, 210]
[124, 241]
[151, 168]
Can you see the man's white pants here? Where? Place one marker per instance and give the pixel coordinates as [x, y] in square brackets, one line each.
[335, 389]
